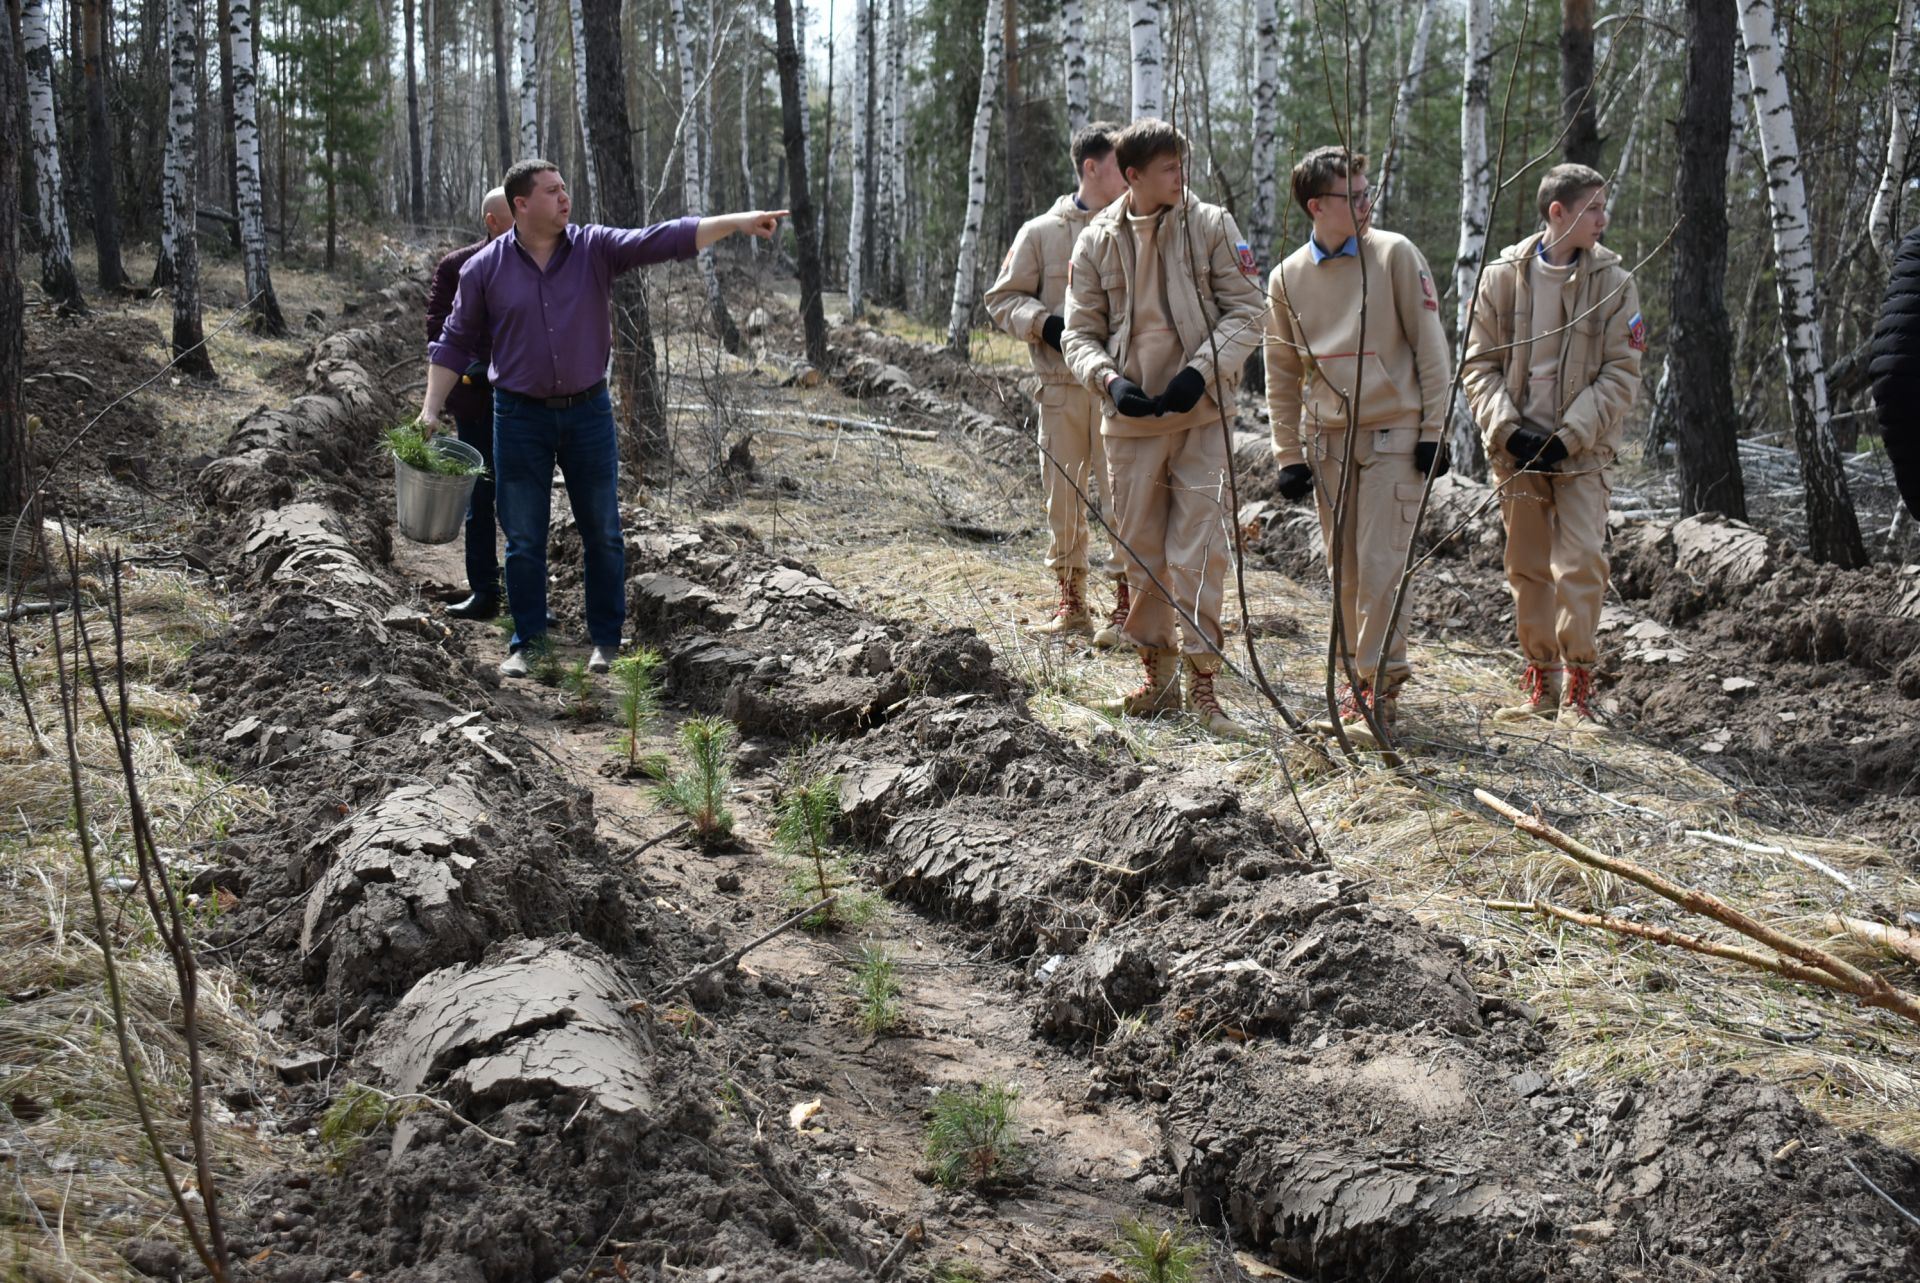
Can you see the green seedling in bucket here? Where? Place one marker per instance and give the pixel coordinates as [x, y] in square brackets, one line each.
[408, 444]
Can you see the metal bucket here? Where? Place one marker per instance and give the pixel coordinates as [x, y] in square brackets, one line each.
[430, 507]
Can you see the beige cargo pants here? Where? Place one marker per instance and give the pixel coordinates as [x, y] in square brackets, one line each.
[1170, 507]
[1380, 521]
[1557, 560]
[1073, 463]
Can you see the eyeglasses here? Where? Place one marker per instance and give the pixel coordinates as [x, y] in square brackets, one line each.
[1360, 199]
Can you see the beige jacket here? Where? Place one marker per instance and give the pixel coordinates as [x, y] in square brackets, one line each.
[1600, 352]
[1216, 305]
[1318, 356]
[1032, 284]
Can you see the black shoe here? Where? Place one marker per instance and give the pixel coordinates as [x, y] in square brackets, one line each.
[478, 606]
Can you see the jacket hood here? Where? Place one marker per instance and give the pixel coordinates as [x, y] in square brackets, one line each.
[1520, 251]
[1067, 209]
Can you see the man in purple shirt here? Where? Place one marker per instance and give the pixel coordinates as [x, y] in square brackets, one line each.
[471, 403]
[541, 296]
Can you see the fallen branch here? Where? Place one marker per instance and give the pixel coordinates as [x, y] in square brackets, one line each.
[1896, 940]
[700, 975]
[831, 420]
[914, 1234]
[1870, 989]
[1799, 857]
[1885, 1197]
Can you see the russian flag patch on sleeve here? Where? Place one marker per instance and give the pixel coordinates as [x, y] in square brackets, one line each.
[1637, 333]
[1244, 252]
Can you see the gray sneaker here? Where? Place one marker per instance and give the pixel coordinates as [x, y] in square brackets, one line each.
[598, 662]
[515, 664]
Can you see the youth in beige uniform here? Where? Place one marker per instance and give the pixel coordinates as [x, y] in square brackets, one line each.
[1028, 301]
[1394, 374]
[1162, 313]
[1553, 365]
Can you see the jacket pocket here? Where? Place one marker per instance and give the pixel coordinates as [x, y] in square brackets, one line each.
[1053, 288]
[1407, 495]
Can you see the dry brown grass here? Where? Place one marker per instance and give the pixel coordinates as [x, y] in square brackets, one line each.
[81, 1175]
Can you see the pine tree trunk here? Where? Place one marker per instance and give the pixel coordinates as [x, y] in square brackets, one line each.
[1149, 58]
[529, 21]
[56, 241]
[13, 335]
[862, 157]
[643, 436]
[693, 173]
[967, 268]
[502, 124]
[223, 24]
[588, 168]
[1706, 428]
[1833, 532]
[1581, 146]
[249, 207]
[416, 158]
[806, 237]
[1073, 44]
[1403, 109]
[1011, 133]
[1476, 204]
[189, 347]
[112, 273]
[430, 107]
[1884, 217]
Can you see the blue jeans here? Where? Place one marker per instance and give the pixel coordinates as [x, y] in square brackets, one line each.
[483, 559]
[528, 440]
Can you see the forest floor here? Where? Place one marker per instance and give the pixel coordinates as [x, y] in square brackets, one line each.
[1254, 990]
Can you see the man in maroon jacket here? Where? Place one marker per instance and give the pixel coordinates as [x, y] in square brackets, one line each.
[471, 404]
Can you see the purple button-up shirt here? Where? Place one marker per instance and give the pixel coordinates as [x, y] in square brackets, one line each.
[551, 332]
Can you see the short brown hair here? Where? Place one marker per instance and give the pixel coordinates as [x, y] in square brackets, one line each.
[519, 179]
[1092, 142]
[1138, 144]
[1566, 184]
[1321, 166]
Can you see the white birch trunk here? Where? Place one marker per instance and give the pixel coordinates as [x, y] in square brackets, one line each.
[966, 269]
[429, 103]
[580, 104]
[246, 165]
[1073, 44]
[862, 157]
[1900, 108]
[529, 11]
[182, 116]
[1828, 532]
[1403, 108]
[56, 239]
[1476, 197]
[746, 141]
[897, 103]
[1149, 58]
[1268, 37]
[693, 181]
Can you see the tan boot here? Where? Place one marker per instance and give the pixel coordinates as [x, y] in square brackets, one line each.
[1204, 704]
[1576, 706]
[1109, 635]
[1160, 693]
[1541, 684]
[1354, 701]
[1070, 616]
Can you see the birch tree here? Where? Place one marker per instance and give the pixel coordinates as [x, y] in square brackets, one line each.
[1476, 204]
[13, 332]
[189, 347]
[249, 207]
[862, 155]
[110, 271]
[529, 39]
[1149, 58]
[1403, 108]
[693, 106]
[1073, 46]
[1268, 28]
[588, 172]
[1833, 532]
[56, 241]
[790, 60]
[897, 105]
[416, 157]
[1882, 214]
[966, 269]
[430, 105]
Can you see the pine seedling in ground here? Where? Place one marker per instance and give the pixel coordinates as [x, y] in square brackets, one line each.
[876, 983]
[583, 701]
[971, 1140]
[805, 831]
[544, 664]
[353, 1116]
[696, 785]
[1150, 1254]
[637, 697]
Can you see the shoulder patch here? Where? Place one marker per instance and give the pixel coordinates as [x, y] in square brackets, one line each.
[1427, 297]
[1244, 252]
[1637, 333]
[1006, 261]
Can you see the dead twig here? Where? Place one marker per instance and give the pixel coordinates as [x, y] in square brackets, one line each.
[700, 975]
[915, 1233]
[1885, 1197]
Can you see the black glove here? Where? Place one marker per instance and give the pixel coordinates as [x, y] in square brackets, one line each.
[1184, 392]
[1537, 451]
[1052, 330]
[1423, 454]
[1296, 482]
[1132, 400]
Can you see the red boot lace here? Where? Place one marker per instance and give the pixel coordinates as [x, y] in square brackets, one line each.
[1351, 700]
[1534, 682]
[1070, 603]
[1580, 690]
[1205, 702]
[1122, 605]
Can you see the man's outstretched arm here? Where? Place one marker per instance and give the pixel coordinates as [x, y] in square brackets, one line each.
[759, 222]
